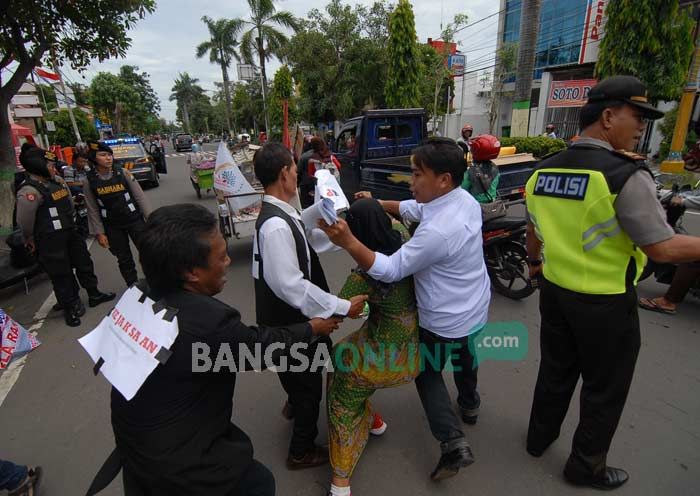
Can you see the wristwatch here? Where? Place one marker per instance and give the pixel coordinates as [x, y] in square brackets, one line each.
[534, 263]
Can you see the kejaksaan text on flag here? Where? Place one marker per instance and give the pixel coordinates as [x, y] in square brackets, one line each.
[229, 180]
[132, 341]
[16, 340]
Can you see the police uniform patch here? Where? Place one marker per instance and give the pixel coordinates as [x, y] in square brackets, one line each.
[562, 185]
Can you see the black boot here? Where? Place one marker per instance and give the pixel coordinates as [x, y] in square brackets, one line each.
[71, 317]
[96, 297]
[451, 462]
[79, 308]
[57, 307]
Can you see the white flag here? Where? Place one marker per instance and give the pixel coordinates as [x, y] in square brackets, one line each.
[229, 180]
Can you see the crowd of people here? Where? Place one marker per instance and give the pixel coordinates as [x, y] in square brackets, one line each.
[427, 289]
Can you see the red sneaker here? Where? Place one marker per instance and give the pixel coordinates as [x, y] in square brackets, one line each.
[378, 425]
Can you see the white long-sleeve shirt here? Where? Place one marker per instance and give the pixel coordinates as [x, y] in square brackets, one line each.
[445, 257]
[281, 267]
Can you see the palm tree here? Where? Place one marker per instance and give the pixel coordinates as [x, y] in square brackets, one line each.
[222, 47]
[262, 38]
[185, 91]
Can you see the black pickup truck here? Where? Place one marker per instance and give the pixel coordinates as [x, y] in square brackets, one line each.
[375, 151]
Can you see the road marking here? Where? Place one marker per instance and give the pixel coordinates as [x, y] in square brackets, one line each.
[11, 374]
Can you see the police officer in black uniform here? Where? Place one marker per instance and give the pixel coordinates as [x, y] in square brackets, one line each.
[117, 207]
[46, 216]
[593, 219]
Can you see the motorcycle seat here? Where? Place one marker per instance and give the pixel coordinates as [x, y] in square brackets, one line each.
[504, 223]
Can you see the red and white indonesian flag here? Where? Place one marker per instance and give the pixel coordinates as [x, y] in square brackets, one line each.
[15, 341]
[47, 74]
[230, 182]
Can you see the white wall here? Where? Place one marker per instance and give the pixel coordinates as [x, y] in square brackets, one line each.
[474, 110]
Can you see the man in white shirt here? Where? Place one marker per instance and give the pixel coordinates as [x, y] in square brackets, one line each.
[290, 287]
[453, 292]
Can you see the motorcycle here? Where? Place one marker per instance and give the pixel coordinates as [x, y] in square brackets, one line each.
[506, 256]
[663, 272]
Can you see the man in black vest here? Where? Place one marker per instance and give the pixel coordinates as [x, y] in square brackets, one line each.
[290, 287]
[46, 217]
[117, 207]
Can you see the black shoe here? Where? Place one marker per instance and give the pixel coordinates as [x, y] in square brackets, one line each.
[79, 308]
[536, 452]
[469, 415]
[314, 458]
[612, 479]
[57, 307]
[99, 297]
[71, 318]
[451, 462]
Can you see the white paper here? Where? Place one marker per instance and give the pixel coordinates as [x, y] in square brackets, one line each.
[128, 340]
[322, 209]
[327, 187]
[229, 180]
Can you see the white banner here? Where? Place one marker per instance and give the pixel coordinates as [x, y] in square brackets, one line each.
[131, 341]
[229, 180]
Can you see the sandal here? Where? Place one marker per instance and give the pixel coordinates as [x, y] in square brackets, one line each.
[30, 485]
[651, 305]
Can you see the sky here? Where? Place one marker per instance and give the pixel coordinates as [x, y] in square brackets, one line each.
[163, 44]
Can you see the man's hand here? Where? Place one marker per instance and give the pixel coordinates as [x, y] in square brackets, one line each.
[30, 246]
[362, 194]
[102, 240]
[339, 233]
[357, 305]
[323, 327]
[535, 270]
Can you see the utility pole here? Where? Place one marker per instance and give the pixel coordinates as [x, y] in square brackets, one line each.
[65, 95]
[529, 27]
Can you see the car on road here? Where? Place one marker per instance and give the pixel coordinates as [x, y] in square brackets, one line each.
[183, 141]
[130, 154]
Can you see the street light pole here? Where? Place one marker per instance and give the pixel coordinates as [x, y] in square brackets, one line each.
[65, 95]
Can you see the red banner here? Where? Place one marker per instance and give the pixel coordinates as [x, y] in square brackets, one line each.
[572, 93]
[46, 74]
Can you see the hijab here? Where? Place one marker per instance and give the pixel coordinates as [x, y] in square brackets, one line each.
[372, 227]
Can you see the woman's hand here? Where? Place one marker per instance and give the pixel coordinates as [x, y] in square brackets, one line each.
[362, 194]
[339, 233]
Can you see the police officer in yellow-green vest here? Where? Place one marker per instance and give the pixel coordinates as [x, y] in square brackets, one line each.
[593, 219]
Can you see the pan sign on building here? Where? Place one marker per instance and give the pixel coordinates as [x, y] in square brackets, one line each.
[593, 31]
[573, 93]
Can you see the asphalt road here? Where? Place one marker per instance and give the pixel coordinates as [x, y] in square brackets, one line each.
[56, 414]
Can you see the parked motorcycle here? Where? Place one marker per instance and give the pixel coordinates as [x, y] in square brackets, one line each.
[506, 256]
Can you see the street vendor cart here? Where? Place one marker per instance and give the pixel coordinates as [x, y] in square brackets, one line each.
[234, 221]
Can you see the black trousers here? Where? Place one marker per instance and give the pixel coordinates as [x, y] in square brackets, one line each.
[597, 338]
[61, 252]
[305, 391]
[118, 238]
[444, 423]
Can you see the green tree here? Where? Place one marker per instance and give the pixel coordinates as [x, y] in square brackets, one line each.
[64, 135]
[650, 39]
[402, 77]
[185, 91]
[338, 59]
[506, 60]
[222, 48]
[282, 89]
[263, 39]
[30, 29]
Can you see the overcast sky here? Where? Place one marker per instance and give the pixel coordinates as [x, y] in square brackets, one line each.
[164, 43]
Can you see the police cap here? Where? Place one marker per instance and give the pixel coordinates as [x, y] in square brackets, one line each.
[97, 146]
[35, 160]
[626, 89]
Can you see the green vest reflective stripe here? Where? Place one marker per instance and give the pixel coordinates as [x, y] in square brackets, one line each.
[570, 201]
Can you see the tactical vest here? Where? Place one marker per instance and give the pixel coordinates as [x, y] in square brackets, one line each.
[56, 211]
[269, 309]
[570, 200]
[117, 207]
